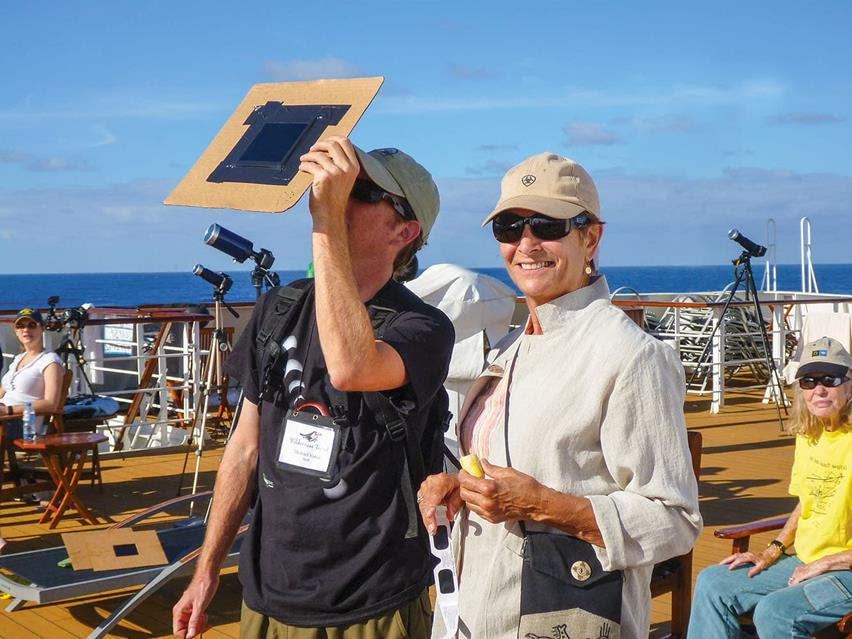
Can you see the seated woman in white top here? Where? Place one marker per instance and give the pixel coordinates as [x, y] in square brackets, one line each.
[34, 376]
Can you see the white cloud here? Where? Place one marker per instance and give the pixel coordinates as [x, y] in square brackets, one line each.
[651, 219]
[665, 96]
[799, 117]
[328, 67]
[38, 164]
[659, 219]
[667, 123]
[672, 220]
[116, 104]
[125, 227]
[467, 72]
[104, 137]
[491, 148]
[589, 134]
[490, 167]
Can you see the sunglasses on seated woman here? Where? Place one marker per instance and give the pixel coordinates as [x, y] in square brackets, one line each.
[509, 227]
[828, 381]
[369, 193]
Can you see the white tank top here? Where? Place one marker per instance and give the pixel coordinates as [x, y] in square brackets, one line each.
[27, 384]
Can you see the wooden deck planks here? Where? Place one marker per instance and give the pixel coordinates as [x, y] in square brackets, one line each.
[745, 468]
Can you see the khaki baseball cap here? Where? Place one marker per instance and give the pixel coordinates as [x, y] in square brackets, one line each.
[825, 355]
[398, 173]
[549, 184]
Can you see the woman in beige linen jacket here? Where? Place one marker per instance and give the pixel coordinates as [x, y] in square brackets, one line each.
[596, 430]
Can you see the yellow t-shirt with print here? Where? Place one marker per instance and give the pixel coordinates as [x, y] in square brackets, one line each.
[822, 480]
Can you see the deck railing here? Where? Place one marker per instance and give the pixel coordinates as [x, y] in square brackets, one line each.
[113, 336]
[687, 322]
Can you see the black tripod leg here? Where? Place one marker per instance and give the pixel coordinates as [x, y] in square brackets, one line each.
[716, 328]
[774, 378]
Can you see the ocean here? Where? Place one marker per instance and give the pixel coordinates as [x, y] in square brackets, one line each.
[132, 289]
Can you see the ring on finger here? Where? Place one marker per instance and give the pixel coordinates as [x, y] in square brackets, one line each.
[419, 499]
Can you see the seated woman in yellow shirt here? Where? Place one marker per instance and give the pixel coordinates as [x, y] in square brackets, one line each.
[796, 595]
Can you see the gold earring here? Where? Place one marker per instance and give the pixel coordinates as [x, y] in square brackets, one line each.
[588, 269]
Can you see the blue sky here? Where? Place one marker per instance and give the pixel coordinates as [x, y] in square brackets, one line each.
[691, 118]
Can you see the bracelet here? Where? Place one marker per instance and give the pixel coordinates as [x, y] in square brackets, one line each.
[777, 544]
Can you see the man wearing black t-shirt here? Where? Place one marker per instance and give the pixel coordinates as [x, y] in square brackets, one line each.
[335, 549]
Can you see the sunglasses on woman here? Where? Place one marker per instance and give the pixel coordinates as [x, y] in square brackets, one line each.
[509, 227]
[827, 381]
[29, 325]
[369, 193]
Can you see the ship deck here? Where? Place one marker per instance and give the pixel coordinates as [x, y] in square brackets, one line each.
[744, 471]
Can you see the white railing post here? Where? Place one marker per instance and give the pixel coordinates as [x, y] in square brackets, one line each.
[770, 272]
[677, 329]
[718, 361]
[809, 283]
[779, 353]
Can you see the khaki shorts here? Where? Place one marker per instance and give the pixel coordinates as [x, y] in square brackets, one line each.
[410, 621]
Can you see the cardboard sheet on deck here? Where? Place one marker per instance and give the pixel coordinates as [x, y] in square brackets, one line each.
[96, 549]
[196, 190]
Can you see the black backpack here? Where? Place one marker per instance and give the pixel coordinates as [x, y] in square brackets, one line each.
[280, 313]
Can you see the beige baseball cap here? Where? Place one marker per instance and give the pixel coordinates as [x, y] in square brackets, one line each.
[825, 355]
[398, 173]
[550, 184]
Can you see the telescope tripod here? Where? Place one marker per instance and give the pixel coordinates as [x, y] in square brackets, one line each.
[72, 345]
[742, 268]
[212, 378]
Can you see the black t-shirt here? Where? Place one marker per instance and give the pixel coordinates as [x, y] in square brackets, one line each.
[333, 552]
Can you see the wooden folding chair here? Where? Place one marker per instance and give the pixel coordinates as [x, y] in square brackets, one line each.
[675, 575]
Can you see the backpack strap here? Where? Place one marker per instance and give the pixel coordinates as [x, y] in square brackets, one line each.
[279, 313]
[392, 417]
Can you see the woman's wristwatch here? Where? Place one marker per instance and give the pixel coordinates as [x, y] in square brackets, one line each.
[778, 544]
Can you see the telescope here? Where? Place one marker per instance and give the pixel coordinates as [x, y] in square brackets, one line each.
[752, 248]
[236, 246]
[220, 281]
[241, 249]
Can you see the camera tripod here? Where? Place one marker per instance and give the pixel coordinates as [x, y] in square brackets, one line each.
[742, 268]
[70, 347]
[212, 376]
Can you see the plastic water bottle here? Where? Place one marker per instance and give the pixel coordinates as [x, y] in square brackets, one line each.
[29, 418]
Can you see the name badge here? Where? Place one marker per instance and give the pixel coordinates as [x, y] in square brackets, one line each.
[309, 444]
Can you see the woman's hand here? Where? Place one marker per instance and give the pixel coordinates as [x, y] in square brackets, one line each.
[761, 560]
[837, 561]
[808, 571]
[508, 494]
[442, 488]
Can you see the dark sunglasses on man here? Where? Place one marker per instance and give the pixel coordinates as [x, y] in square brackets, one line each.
[369, 193]
[509, 227]
[810, 382]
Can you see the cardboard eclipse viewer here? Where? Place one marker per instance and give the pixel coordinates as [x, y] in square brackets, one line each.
[253, 162]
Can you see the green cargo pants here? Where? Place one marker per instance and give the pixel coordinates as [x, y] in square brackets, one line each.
[410, 621]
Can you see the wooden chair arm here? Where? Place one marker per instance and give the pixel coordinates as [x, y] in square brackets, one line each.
[845, 624]
[741, 535]
[751, 528]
